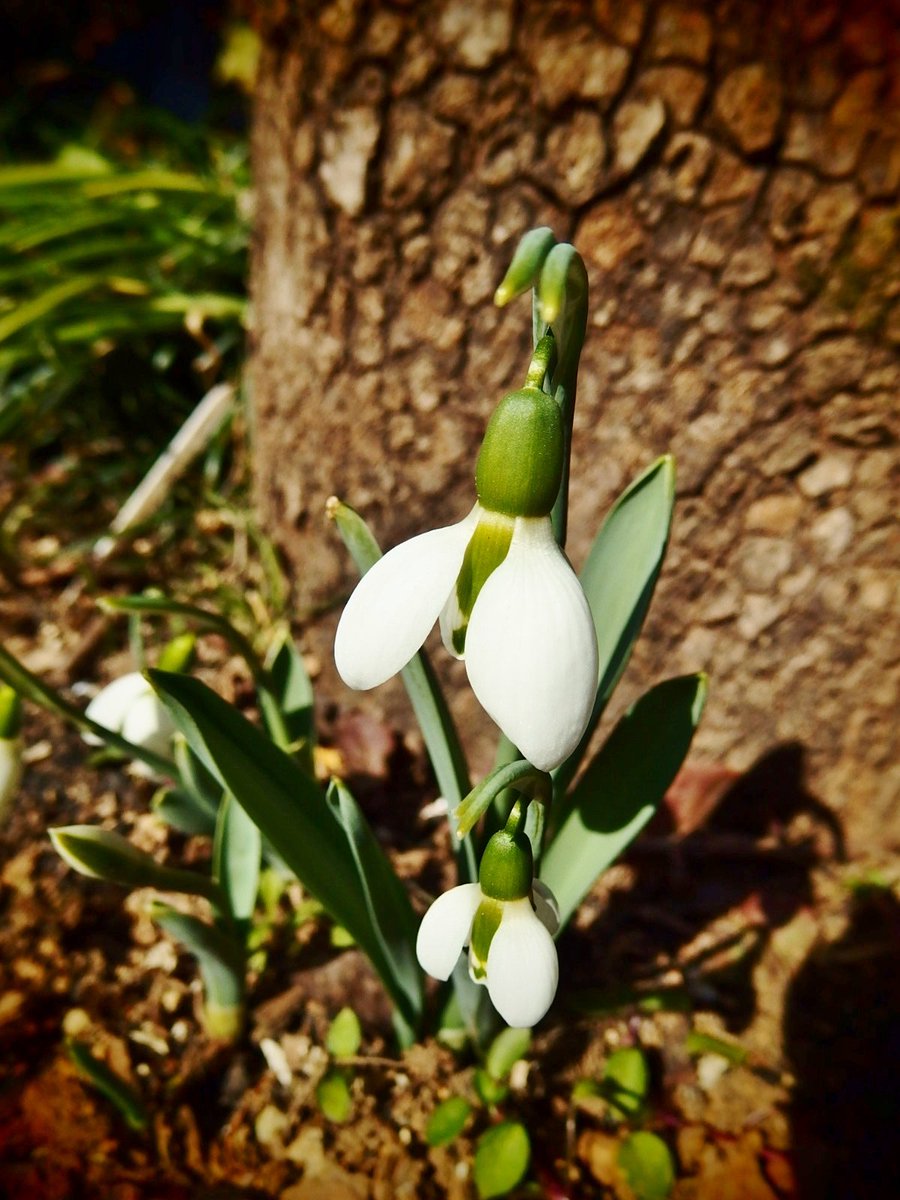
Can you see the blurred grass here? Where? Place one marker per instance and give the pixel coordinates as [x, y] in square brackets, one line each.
[123, 255]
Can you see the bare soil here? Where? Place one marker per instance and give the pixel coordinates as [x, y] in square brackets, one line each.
[737, 913]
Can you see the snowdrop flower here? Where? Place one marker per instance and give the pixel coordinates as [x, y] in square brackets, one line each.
[10, 745]
[507, 920]
[508, 601]
[130, 707]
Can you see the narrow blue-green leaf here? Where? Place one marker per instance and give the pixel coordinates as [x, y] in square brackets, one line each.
[236, 858]
[424, 692]
[219, 957]
[109, 1084]
[289, 808]
[447, 1121]
[646, 1162]
[344, 1036]
[619, 577]
[293, 691]
[621, 788]
[180, 810]
[501, 1159]
[102, 854]
[390, 912]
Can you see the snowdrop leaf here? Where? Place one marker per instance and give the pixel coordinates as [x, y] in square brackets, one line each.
[619, 577]
[181, 810]
[102, 854]
[621, 788]
[293, 690]
[296, 819]
[391, 917]
[236, 857]
[109, 1084]
[221, 962]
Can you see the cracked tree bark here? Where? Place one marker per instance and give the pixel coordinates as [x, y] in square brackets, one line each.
[730, 173]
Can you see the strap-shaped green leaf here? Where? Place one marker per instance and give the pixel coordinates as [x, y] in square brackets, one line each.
[289, 808]
[621, 788]
[236, 858]
[619, 577]
[292, 689]
[390, 912]
[220, 958]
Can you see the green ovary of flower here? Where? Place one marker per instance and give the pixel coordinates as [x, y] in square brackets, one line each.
[520, 464]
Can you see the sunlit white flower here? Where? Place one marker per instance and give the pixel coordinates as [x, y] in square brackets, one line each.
[130, 707]
[521, 970]
[508, 601]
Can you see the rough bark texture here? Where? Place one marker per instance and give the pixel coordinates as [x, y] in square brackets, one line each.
[729, 172]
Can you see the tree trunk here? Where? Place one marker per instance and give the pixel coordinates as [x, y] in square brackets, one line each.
[729, 172]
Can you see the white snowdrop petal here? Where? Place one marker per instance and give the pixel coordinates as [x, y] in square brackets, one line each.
[445, 929]
[546, 907]
[111, 704]
[147, 723]
[396, 603]
[522, 967]
[531, 648]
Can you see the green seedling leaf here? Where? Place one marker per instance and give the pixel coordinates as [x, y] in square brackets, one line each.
[237, 849]
[109, 1084]
[10, 712]
[447, 1121]
[619, 578]
[621, 788]
[326, 845]
[179, 653]
[102, 854]
[344, 1035]
[647, 1164]
[490, 1091]
[506, 1049]
[703, 1043]
[626, 1081]
[501, 1159]
[222, 964]
[333, 1097]
[424, 692]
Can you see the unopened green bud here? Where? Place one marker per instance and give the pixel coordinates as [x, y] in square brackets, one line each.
[10, 712]
[507, 865]
[520, 464]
